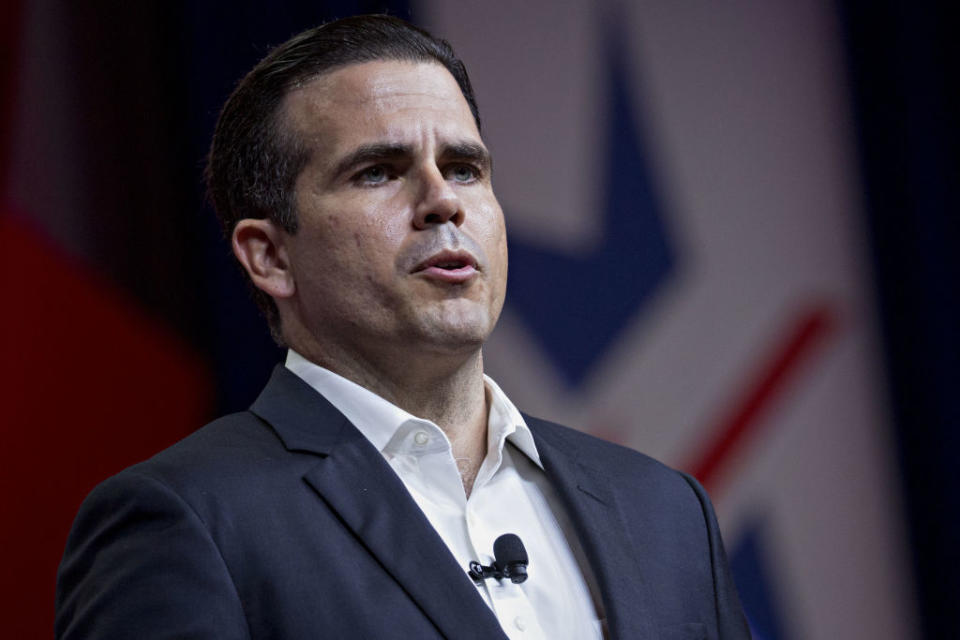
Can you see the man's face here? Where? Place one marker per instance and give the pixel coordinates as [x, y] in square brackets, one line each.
[401, 240]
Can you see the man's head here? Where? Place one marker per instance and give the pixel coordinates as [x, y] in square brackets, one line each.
[254, 160]
[349, 172]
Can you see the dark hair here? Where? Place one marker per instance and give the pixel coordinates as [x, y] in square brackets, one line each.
[254, 160]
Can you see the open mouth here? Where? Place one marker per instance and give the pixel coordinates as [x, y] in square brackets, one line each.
[448, 266]
[448, 261]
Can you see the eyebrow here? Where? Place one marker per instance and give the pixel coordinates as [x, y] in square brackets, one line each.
[380, 151]
[469, 151]
[371, 153]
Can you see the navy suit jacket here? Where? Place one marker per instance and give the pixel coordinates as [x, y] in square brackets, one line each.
[285, 522]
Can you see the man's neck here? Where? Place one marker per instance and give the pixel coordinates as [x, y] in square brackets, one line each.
[446, 389]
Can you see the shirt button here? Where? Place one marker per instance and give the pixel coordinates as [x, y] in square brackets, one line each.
[421, 438]
[520, 623]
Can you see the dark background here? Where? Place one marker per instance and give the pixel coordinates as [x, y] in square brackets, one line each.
[903, 64]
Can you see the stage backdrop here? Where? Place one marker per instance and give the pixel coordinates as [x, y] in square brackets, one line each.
[689, 276]
[690, 271]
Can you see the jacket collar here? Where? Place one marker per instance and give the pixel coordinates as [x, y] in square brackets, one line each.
[301, 417]
[590, 497]
[355, 481]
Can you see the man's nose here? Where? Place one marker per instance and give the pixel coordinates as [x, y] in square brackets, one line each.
[438, 201]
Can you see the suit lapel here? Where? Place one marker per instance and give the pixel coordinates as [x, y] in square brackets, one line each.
[365, 492]
[357, 483]
[591, 503]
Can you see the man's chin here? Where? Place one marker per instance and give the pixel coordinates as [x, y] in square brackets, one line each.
[455, 338]
[455, 332]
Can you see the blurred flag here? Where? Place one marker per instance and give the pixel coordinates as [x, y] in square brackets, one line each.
[689, 277]
[688, 268]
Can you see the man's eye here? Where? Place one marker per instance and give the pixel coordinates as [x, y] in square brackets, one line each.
[376, 174]
[462, 173]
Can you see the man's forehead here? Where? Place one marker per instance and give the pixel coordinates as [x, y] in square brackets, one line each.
[397, 103]
[376, 89]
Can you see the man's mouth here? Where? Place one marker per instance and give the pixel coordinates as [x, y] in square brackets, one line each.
[448, 266]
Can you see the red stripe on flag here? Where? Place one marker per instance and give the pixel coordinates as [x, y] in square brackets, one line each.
[89, 385]
[744, 418]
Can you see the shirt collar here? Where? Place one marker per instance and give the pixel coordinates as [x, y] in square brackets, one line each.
[506, 423]
[378, 419]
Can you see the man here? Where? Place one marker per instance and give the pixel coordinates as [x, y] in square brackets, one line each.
[350, 176]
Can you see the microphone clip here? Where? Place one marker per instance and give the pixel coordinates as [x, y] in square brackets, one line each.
[510, 561]
[516, 572]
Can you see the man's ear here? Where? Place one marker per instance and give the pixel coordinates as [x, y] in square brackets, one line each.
[260, 246]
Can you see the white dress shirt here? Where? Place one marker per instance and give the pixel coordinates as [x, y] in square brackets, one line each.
[510, 495]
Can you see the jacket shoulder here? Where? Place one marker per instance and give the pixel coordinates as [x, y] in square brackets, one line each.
[592, 451]
[214, 466]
